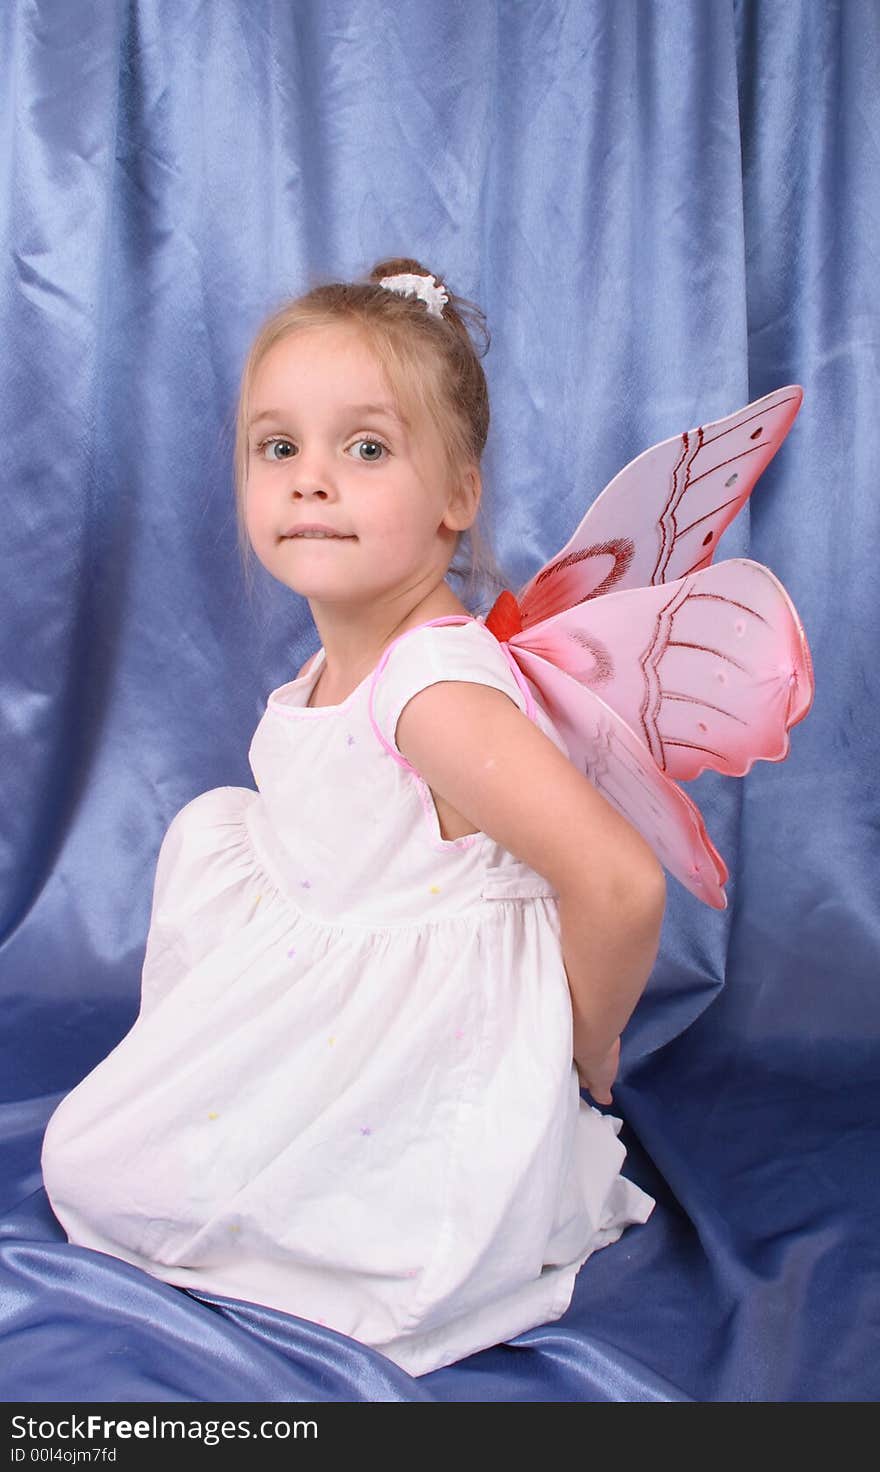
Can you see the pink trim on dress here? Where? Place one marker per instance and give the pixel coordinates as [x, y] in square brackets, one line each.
[450, 618]
[531, 708]
[445, 845]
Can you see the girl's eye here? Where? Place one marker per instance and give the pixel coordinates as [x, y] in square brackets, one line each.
[376, 445]
[274, 440]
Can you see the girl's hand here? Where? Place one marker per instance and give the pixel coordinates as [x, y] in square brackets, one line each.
[598, 1074]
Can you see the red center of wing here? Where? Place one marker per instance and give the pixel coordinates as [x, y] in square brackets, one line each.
[503, 619]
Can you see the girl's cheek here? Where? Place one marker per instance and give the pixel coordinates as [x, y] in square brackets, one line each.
[258, 504]
[393, 522]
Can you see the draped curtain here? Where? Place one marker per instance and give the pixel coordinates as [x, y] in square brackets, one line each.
[666, 208]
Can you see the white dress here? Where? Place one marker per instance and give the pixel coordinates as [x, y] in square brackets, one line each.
[349, 1093]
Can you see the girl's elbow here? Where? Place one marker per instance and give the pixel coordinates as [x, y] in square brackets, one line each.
[652, 893]
[631, 897]
[642, 895]
[635, 878]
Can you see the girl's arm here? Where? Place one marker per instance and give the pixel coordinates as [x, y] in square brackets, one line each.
[608, 963]
[474, 747]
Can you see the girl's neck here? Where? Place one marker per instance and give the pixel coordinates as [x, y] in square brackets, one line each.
[351, 654]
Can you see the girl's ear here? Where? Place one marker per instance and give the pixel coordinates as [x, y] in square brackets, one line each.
[464, 501]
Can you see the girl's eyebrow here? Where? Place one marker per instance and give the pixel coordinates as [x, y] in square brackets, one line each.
[387, 409]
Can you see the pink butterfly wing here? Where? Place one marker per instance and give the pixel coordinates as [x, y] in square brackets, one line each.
[661, 517]
[711, 670]
[605, 748]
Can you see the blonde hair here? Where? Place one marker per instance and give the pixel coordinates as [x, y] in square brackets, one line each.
[433, 369]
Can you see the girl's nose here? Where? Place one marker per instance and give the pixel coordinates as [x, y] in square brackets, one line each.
[311, 474]
[307, 489]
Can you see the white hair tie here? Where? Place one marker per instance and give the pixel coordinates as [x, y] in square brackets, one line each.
[424, 287]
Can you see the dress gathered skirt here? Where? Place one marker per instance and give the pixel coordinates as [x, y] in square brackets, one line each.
[349, 1093]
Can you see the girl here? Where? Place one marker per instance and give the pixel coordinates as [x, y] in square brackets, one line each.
[372, 985]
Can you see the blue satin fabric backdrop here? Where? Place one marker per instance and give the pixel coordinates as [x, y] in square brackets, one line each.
[666, 209]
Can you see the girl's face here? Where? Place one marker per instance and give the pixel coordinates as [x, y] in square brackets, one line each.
[317, 452]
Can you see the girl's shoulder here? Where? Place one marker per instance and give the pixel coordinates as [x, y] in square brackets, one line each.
[454, 647]
[449, 649]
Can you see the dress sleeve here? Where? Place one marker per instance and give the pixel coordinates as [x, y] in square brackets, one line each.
[431, 653]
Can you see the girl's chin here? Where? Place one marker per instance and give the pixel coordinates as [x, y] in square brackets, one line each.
[320, 585]
[309, 560]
